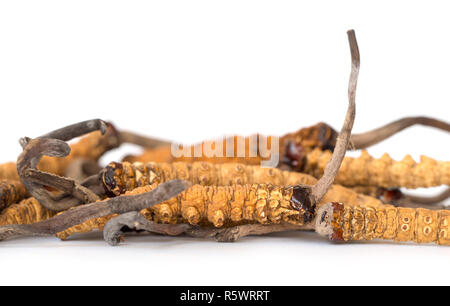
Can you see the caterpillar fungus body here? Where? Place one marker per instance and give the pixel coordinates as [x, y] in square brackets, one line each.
[382, 172]
[208, 203]
[25, 212]
[293, 146]
[11, 191]
[362, 171]
[342, 222]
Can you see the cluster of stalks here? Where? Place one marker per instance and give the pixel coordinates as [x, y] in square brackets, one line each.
[57, 189]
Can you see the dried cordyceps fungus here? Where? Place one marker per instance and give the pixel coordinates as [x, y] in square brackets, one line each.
[341, 222]
[208, 197]
[296, 150]
[229, 206]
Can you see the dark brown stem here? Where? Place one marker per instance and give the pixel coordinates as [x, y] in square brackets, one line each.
[77, 215]
[343, 140]
[143, 141]
[35, 180]
[370, 138]
[134, 221]
[66, 185]
[54, 144]
[234, 233]
[72, 131]
[78, 129]
[81, 168]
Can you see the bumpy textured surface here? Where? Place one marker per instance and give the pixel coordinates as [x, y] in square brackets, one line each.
[387, 222]
[292, 148]
[216, 206]
[26, 212]
[121, 177]
[11, 191]
[225, 206]
[382, 172]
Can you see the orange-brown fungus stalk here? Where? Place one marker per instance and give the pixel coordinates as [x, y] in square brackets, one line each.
[382, 172]
[220, 206]
[292, 146]
[11, 191]
[8, 171]
[120, 177]
[26, 212]
[341, 222]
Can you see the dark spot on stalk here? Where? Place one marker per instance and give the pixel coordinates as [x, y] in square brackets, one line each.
[302, 201]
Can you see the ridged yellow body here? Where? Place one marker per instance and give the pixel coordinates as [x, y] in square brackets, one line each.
[127, 176]
[224, 206]
[25, 212]
[391, 223]
[382, 172]
[11, 191]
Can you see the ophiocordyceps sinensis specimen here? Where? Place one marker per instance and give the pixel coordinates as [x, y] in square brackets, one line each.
[91, 147]
[341, 222]
[86, 152]
[11, 191]
[294, 204]
[80, 214]
[229, 206]
[293, 148]
[25, 212]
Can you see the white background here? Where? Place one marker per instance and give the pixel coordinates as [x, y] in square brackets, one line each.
[194, 70]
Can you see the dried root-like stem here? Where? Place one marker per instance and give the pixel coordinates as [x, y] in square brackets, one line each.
[35, 180]
[77, 215]
[332, 168]
[140, 140]
[134, 221]
[234, 233]
[370, 138]
[226, 206]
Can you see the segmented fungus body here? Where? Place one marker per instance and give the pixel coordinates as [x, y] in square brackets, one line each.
[362, 171]
[247, 149]
[11, 191]
[342, 222]
[25, 212]
[382, 172]
[120, 177]
[219, 206]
